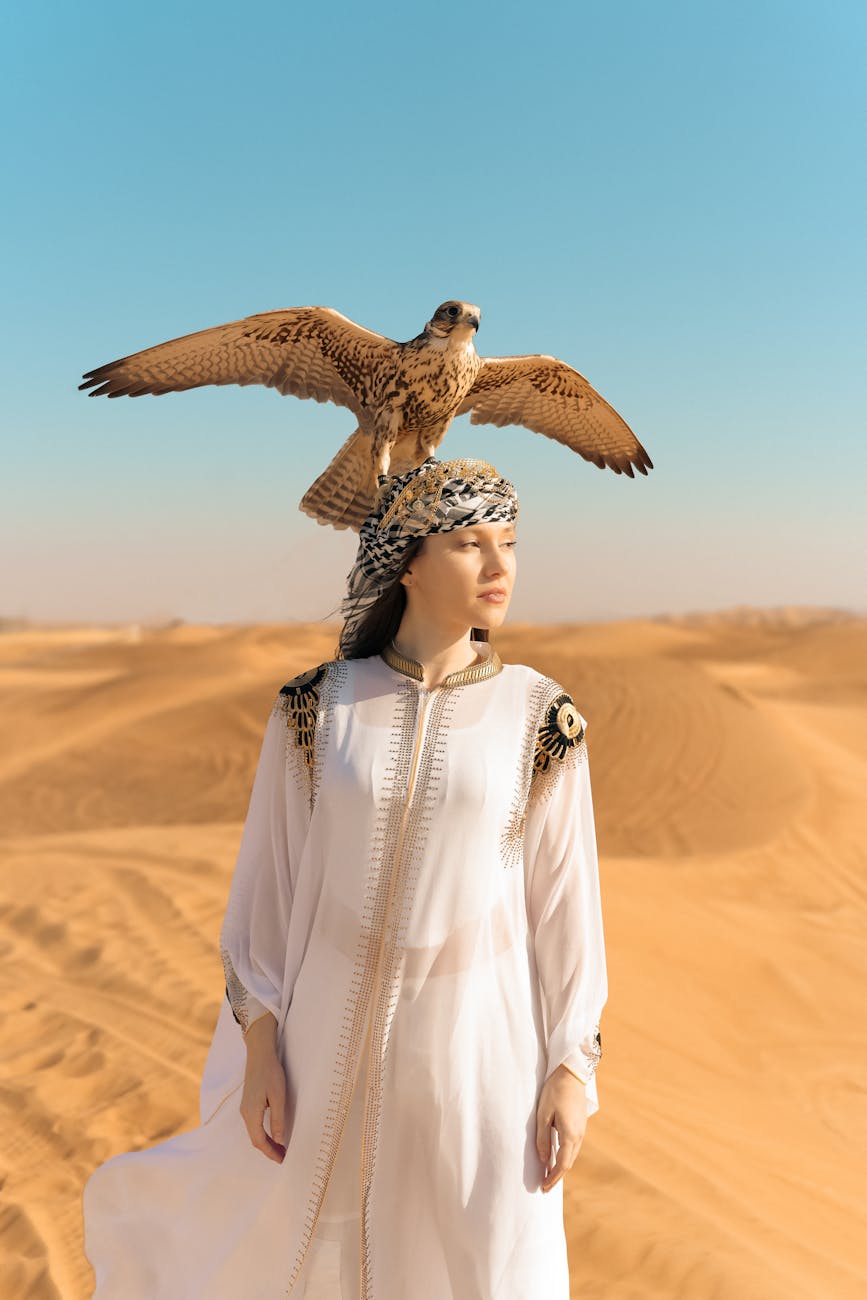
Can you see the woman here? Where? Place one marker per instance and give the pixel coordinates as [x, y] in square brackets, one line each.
[414, 960]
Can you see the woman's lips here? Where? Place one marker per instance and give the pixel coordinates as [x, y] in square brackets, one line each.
[494, 597]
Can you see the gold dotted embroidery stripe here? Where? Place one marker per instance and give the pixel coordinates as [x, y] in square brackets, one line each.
[419, 813]
[382, 848]
[553, 732]
[512, 837]
[329, 691]
[236, 993]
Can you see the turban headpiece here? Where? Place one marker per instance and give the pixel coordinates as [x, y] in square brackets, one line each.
[433, 498]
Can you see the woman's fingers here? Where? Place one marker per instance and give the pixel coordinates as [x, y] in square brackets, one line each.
[544, 1120]
[566, 1156]
[570, 1135]
[274, 1150]
[563, 1107]
[277, 1104]
[252, 1113]
[266, 1090]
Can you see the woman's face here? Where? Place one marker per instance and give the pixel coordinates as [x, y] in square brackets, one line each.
[448, 580]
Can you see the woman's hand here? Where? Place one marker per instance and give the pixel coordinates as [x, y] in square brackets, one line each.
[264, 1088]
[563, 1104]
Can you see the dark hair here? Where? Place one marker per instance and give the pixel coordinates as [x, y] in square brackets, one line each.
[383, 619]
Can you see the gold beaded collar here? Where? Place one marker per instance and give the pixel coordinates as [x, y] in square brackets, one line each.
[489, 667]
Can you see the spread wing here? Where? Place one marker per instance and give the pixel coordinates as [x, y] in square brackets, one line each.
[306, 351]
[549, 397]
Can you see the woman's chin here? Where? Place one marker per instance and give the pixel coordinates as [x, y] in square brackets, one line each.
[491, 617]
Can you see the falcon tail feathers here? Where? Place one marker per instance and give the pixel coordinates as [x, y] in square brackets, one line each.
[343, 493]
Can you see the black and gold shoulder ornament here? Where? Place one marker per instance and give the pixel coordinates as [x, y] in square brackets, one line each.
[560, 731]
[299, 702]
[553, 740]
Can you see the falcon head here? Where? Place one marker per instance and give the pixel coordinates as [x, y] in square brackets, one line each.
[453, 317]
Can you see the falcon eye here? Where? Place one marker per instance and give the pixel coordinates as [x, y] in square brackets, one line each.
[453, 311]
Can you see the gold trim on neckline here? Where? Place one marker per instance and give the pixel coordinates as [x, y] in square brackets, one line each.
[479, 672]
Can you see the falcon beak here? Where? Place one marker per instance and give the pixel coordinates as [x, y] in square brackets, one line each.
[474, 321]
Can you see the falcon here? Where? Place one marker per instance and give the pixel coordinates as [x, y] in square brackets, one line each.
[403, 395]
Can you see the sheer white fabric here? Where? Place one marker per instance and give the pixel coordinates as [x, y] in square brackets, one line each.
[422, 916]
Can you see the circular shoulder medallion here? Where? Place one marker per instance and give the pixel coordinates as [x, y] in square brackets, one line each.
[561, 731]
[567, 721]
[304, 681]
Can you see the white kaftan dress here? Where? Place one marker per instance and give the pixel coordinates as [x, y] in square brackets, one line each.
[416, 900]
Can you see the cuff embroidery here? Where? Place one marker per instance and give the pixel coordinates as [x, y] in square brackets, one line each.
[594, 1056]
[235, 992]
[590, 1059]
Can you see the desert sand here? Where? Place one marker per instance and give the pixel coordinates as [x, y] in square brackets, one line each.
[729, 765]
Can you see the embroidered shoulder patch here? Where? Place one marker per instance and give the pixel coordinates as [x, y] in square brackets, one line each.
[554, 734]
[560, 731]
[299, 701]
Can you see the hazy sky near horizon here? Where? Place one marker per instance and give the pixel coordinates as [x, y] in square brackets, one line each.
[670, 197]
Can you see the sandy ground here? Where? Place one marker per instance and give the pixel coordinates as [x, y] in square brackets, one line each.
[729, 764]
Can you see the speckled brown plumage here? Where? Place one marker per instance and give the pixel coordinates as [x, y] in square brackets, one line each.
[549, 397]
[403, 395]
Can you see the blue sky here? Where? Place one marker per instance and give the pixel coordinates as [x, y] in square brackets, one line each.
[670, 197]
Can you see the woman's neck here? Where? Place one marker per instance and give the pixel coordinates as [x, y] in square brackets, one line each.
[439, 652]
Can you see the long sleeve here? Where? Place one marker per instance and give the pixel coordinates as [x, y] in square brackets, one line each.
[245, 1008]
[254, 933]
[563, 895]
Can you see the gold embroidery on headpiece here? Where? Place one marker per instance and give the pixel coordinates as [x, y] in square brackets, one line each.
[433, 480]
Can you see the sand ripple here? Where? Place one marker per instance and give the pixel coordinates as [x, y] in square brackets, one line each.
[729, 761]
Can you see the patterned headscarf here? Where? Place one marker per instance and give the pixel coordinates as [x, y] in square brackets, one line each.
[437, 496]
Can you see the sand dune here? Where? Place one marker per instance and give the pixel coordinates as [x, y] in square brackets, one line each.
[729, 763]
